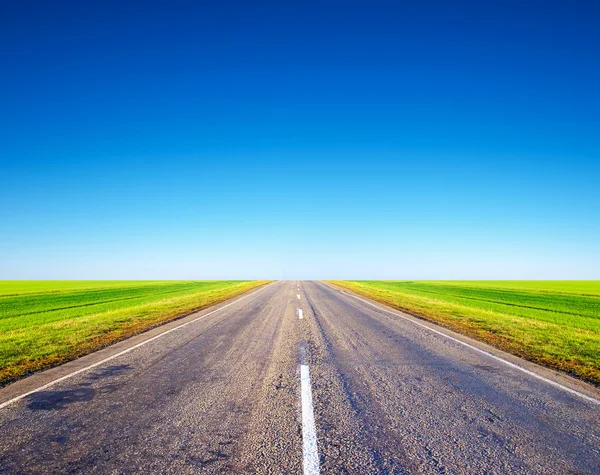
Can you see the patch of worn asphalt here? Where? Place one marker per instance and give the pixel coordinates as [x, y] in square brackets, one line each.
[223, 395]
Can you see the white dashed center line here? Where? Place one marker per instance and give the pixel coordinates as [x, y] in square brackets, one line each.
[310, 454]
[300, 316]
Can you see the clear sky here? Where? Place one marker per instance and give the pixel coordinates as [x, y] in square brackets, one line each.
[300, 139]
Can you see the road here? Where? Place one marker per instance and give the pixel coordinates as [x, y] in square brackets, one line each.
[223, 393]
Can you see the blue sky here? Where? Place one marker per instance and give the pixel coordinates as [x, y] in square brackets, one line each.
[300, 140]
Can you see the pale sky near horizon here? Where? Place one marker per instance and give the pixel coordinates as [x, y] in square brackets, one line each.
[310, 141]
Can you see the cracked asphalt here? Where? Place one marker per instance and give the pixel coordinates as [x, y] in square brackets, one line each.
[222, 394]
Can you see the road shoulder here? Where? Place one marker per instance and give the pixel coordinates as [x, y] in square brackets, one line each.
[43, 379]
[557, 377]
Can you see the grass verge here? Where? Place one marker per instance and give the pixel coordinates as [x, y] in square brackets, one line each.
[46, 323]
[553, 323]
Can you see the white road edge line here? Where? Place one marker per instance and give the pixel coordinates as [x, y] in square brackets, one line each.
[310, 454]
[116, 355]
[483, 352]
[300, 316]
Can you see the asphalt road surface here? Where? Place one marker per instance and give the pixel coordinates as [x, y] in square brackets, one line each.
[379, 393]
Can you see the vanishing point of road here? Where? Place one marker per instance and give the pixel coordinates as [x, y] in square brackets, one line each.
[299, 377]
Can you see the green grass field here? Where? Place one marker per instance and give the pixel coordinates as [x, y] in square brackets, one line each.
[554, 323]
[45, 323]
